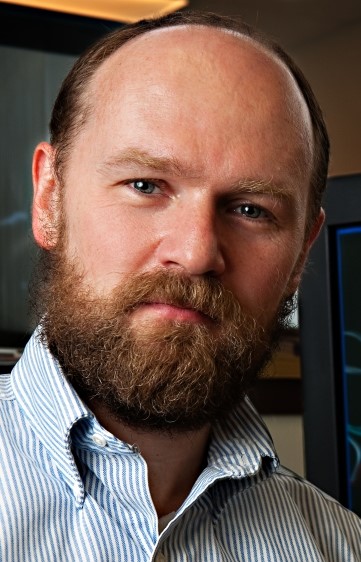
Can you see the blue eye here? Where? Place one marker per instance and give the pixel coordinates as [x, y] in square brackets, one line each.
[144, 186]
[251, 211]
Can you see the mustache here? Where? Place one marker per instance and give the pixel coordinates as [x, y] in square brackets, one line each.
[205, 295]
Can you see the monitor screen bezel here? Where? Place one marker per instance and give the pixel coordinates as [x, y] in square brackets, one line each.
[324, 420]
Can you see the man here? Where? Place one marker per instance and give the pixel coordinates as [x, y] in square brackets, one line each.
[175, 206]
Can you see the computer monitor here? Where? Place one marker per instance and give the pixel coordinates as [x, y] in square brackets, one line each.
[330, 328]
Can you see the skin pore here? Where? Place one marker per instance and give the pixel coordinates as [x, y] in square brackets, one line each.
[196, 157]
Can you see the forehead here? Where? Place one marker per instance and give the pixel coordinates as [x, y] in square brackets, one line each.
[207, 55]
[215, 83]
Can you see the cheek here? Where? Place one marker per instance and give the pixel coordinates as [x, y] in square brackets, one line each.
[263, 278]
[106, 244]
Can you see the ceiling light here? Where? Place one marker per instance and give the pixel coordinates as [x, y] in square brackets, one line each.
[119, 10]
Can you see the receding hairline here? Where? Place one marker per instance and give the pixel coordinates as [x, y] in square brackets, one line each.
[255, 42]
[256, 46]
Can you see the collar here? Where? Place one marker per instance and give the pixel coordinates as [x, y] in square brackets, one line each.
[241, 442]
[51, 406]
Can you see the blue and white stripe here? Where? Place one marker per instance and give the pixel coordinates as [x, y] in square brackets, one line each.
[71, 491]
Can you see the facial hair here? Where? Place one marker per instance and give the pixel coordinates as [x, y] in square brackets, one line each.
[161, 374]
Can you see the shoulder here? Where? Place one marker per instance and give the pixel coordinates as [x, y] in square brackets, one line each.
[284, 515]
[303, 491]
[328, 521]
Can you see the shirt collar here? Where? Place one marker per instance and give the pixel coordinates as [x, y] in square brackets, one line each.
[50, 405]
[241, 442]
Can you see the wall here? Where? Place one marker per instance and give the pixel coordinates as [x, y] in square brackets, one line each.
[287, 433]
[333, 68]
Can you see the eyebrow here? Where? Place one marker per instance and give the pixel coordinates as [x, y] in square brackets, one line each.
[142, 158]
[263, 187]
[173, 166]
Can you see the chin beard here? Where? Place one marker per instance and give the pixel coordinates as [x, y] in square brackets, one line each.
[161, 375]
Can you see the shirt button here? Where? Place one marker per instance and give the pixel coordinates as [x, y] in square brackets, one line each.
[99, 440]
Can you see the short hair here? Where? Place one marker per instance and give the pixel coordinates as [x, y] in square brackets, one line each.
[71, 106]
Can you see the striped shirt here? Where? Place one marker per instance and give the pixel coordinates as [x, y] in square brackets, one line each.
[71, 492]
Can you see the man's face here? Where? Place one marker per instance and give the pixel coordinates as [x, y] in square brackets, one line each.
[195, 159]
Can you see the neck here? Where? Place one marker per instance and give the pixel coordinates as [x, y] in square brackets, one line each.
[174, 460]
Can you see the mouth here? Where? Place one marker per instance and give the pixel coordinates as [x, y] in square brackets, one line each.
[175, 312]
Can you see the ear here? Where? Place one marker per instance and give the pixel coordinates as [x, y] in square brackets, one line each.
[45, 212]
[312, 236]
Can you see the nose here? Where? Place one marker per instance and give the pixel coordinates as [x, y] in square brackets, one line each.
[192, 242]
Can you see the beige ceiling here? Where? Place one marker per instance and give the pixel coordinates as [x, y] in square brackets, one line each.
[293, 23]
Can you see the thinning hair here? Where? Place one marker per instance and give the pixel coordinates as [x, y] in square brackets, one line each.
[72, 105]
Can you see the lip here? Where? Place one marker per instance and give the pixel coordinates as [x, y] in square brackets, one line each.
[169, 311]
